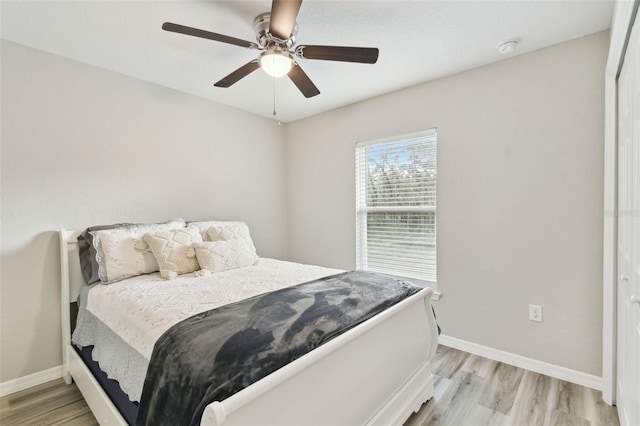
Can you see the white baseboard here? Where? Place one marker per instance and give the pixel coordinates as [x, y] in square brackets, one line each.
[26, 382]
[556, 371]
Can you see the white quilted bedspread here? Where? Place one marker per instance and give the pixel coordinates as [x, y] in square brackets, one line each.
[140, 309]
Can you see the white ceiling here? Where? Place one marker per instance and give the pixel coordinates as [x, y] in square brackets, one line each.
[418, 41]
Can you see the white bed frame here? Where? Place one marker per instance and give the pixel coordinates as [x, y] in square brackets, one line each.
[377, 373]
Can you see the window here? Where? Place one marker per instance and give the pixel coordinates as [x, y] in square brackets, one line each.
[396, 206]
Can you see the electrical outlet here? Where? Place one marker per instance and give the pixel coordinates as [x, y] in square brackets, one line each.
[535, 313]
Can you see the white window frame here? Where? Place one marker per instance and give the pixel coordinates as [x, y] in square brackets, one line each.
[362, 209]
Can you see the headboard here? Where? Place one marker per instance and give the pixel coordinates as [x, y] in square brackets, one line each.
[71, 283]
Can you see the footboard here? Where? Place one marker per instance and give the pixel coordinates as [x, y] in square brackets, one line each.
[377, 373]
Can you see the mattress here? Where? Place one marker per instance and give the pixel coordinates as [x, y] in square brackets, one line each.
[123, 320]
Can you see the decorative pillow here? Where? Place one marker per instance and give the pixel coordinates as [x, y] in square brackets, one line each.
[221, 224]
[204, 226]
[227, 231]
[171, 250]
[217, 256]
[117, 255]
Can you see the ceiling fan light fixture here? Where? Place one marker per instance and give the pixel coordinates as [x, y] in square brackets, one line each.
[275, 62]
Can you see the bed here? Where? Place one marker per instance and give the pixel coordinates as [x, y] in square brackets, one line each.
[377, 372]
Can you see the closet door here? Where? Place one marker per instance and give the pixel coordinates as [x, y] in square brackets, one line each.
[628, 375]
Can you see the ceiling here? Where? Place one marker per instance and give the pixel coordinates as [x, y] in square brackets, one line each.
[418, 41]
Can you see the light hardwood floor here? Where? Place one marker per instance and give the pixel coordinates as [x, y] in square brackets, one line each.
[52, 403]
[469, 391]
[472, 390]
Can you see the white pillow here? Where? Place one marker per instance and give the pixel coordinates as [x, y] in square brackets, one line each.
[231, 226]
[227, 231]
[204, 226]
[117, 255]
[217, 256]
[171, 250]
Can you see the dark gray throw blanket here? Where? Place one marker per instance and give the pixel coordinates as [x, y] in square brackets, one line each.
[211, 356]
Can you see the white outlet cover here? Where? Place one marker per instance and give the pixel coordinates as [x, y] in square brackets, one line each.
[535, 313]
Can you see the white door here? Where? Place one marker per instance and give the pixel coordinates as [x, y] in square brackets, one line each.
[628, 375]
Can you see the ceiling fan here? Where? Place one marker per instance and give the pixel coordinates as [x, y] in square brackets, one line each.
[276, 37]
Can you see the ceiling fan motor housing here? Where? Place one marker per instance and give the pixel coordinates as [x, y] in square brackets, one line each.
[265, 38]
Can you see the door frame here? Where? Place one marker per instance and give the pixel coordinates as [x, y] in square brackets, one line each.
[623, 16]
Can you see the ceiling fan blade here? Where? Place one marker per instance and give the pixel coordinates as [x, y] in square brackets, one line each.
[283, 17]
[182, 29]
[303, 82]
[365, 55]
[238, 74]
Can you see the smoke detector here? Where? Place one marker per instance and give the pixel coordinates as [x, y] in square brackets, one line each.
[507, 46]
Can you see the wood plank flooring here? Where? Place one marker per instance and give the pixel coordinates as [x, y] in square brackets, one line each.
[469, 391]
[472, 390]
[52, 403]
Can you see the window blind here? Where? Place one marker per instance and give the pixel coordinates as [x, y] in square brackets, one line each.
[396, 206]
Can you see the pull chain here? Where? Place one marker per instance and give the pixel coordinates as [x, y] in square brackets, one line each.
[274, 96]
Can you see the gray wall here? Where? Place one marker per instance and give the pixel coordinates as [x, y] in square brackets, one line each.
[520, 192]
[83, 146]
